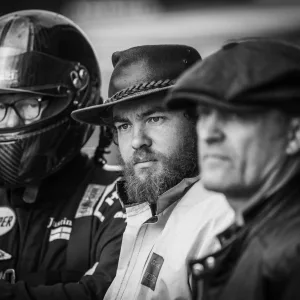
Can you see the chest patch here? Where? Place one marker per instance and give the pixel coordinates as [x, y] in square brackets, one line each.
[7, 220]
[89, 200]
[152, 271]
[60, 230]
[4, 255]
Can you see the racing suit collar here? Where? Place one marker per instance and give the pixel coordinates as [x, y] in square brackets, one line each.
[165, 200]
[175, 193]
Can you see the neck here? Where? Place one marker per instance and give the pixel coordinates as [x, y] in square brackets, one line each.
[275, 181]
[238, 204]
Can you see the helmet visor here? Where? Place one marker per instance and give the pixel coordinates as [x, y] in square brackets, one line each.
[35, 72]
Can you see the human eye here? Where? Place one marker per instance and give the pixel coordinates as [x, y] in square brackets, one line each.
[156, 119]
[28, 108]
[122, 127]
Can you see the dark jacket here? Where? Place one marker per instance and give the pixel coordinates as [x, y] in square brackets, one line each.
[260, 260]
[50, 244]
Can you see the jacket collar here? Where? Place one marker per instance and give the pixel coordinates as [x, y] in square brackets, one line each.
[267, 209]
[277, 180]
[279, 199]
[175, 193]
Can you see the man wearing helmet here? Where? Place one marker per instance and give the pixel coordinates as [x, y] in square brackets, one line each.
[59, 211]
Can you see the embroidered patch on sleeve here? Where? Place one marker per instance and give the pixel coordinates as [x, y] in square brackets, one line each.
[109, 197]
[7, 219]
[89, 200]
[152, 271]
[60, 233]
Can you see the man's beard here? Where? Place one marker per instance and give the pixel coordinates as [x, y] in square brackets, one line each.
[181, 164]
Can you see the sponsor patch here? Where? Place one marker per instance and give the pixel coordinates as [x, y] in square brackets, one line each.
[4, 255]
[60, 233]
[152, 271]
[89, 200]
[60, 230]
[64, 222]
[7, 220]
[109, 197]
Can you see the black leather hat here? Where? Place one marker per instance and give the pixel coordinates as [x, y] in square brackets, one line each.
[138, 72]
[250, 74]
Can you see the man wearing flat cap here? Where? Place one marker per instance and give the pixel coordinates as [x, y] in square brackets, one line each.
[170, 217]
[247, 96]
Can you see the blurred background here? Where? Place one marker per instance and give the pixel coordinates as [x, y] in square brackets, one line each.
[114, 25]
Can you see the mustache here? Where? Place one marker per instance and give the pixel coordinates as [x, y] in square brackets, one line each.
[143, 155]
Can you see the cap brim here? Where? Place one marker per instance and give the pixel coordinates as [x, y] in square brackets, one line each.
[97, 114]
[184, 100]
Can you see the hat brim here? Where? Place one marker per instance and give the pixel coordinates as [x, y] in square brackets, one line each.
[97, 114]
[184, 100]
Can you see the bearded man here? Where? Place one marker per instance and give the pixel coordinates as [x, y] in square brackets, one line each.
[170, 217]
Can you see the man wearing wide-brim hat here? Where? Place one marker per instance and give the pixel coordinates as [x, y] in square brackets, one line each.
[170, 217]
[247, 96]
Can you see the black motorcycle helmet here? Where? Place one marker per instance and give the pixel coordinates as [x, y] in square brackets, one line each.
[47, 55]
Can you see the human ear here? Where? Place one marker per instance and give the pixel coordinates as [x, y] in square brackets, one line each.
[293, 146]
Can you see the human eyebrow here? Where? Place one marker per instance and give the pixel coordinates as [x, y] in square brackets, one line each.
[119, 119]
[152, 111]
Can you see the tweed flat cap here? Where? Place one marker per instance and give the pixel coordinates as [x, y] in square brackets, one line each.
[250, 74]
[138, 72]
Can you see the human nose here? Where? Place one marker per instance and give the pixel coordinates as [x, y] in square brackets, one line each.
[210, 128]
[140, 138]
[12, 119]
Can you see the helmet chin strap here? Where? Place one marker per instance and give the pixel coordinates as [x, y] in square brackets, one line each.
[30, 193]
